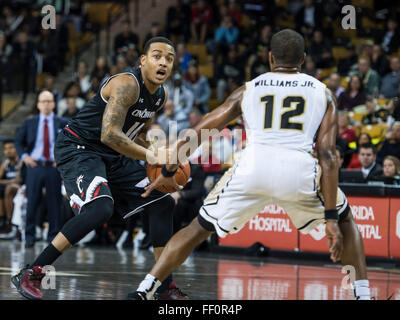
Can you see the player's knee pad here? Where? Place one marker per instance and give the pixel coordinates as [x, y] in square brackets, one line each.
[161, 221]
[92, 215]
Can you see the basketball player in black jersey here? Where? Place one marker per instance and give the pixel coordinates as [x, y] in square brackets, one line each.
[98, 156]
[9, 184]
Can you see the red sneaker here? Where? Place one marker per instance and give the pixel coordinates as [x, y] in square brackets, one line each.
[27, 281]
[173, 293]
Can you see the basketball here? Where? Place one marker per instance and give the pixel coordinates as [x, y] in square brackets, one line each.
[181, 176]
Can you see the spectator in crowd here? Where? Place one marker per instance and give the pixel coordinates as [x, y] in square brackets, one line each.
[320, 50]
[308, 18]
[72, 110]
[48, 51]
[126, 37]
[363, 138]
[370, 169]
[101, 68]
[230, 74]
[121, 63]
[49, 86]
[375, 114]
[9, 184]
[182, 57]
[94, 87]
[311, 69]
[5, 60]
[34, 142]
[181, 96]
[132, 56]
[344, 65]
[72, 89]
[379, 62]
[391, 145]
[390, 38]
[225, 36]
[82, 76]
[353, 96]
[173, 115]
[195, 117]
[189, 200]
[391, 170]
[24, 63]
[368, 76]
[201, 20]
[331, 11]
[178, 21]
[345, 131]
[235, 12]
[393, 108]
[334, 84]
[261, 64]
[261, 40]
[390, 82]
[155, 31]
[199, 87]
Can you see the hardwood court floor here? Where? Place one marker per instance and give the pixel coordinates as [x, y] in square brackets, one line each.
[86, 273]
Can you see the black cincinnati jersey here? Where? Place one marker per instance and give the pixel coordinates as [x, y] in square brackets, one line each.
[87, 123]
[10, 171]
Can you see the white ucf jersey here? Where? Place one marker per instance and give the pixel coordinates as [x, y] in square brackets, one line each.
[284, 109]
[282, 113]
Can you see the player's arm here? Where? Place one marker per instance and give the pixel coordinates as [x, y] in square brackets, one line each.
[217, 119]
[121, 93]
[326, 152]
[2, 171]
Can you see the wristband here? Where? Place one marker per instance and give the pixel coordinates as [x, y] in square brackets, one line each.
[331, 215]
[166, 173]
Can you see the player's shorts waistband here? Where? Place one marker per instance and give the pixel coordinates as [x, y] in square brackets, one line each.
[70, 131]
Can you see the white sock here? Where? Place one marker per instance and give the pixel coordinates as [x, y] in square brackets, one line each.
[149, 285]
[361, 290]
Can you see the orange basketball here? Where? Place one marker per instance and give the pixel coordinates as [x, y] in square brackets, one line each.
[181, 176]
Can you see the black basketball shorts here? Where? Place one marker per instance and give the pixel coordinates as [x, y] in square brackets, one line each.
[89, 174]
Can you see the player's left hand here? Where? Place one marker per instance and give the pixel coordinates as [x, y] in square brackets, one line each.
[335, 239]
[159, 181]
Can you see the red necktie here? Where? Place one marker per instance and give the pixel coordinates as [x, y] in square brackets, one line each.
[46, 141]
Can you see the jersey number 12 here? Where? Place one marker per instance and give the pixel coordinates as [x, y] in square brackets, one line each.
[298, 110]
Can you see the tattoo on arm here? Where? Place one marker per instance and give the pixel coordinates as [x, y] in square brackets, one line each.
[115, 114]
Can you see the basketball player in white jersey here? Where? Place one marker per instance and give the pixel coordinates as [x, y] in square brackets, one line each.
[285, 112]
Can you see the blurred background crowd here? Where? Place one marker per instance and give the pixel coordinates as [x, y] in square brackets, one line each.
[220, 45]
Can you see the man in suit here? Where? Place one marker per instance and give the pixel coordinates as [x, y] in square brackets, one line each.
[367, 156]
[34, 142]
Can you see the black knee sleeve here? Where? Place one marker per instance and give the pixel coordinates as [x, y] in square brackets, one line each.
[160, 221]
[92, 215]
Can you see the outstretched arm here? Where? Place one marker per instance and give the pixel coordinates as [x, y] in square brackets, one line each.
[121, 93]
[326, 141]
[217, 119]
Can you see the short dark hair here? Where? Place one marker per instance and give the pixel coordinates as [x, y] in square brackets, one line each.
[368, 146]
[157, 39]
[8, 140]
[287, 47]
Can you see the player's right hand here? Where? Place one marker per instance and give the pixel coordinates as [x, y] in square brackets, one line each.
[335, 240]
[159, 181]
